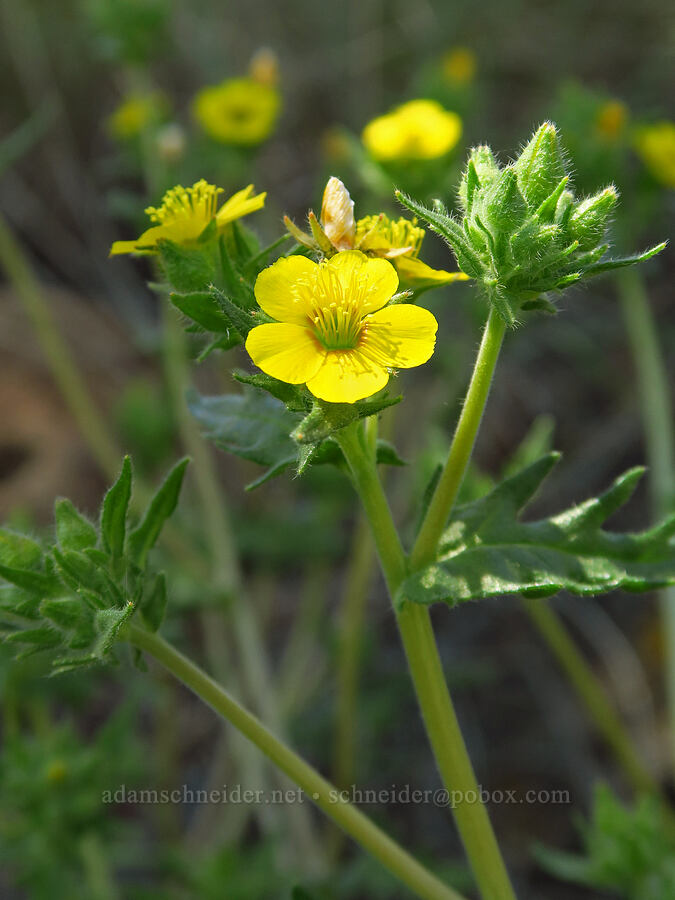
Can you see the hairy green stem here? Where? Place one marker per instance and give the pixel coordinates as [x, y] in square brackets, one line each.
[428, 677]
[591, 692]
[393, 857]
[443, 499]
[656, 406]
[66, 374]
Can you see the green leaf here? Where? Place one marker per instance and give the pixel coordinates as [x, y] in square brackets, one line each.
[73, 530]
[202, 308]
[153, 603]
[187, 269]
[114, 512]
[488, 551]
[142, 539]
[65, 612]
[609, 264]
[253, 425]
[19, 551]
[40, 583]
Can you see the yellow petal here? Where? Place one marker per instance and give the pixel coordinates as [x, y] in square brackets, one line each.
[278, 289]
[337, 215]
[240, 204]
[400, 336]
[414, 272]
[347, 376]
[375, 279]
[287, 352]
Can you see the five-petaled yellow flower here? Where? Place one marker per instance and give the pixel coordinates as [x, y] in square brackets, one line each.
[334, 330]
[239, 111]
[185, 212]
[397, 240]
[420, 129]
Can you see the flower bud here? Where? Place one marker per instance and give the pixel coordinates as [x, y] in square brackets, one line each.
[588, 222]
[540, 166]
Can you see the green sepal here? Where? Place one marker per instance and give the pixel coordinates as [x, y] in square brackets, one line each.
[487, 551]
[540, 166]
[242, 320]
[143, 538]
[202, 308]
[187, 269]
[291, 395]
[504, 207]
[326, 419]
[73, 530]
[114, 511]
[236, 285]
[609, 265]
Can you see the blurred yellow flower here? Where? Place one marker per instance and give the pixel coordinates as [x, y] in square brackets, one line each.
[334, 331]
[611, 119]
[655, 144]
[420, 129]
[397, 240]
[459, 65]
[185, 212]
[264, 66]
[240, 111]
[135, 114]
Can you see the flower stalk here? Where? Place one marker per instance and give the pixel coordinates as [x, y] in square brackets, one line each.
[426, 670]
[327, 797]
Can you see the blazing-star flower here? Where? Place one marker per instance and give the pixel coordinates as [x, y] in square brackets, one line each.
[334, 331]
[656, 146]
[239, 111]
[184, 213]
[397, 240]
[419, 129]
[135, 114]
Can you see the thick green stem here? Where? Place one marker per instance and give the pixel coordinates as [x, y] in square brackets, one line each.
[591, 692]
[318, 789]
[656, 406]
[66, 374]
[424, 550]
[426, 669]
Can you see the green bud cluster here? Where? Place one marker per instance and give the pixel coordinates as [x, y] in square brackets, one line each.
[523, 232]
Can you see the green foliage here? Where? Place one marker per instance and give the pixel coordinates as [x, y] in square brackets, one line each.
[523, 233]
[270, 429]
[630, 851]
[487, 550]
[52, 784]
[76, 596]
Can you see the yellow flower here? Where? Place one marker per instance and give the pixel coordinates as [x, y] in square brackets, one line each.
[420, 129]
[459, 65]
[264, 66]
[611, 119]
[398, 241]
[334, 331]
[239, 111]
[185, 212]
[135, 114]
[656, 146]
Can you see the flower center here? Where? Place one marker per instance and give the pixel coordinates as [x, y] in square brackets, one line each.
[381, 233]
[337, 308]
[198, 202]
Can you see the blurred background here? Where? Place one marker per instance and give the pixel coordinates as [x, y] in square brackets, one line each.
[108, 103]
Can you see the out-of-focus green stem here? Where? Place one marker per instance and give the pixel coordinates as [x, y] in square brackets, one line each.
[657, 417]
[350, 638]
[100, 885]
[66, 374]
[591, 692]
[420, 881]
